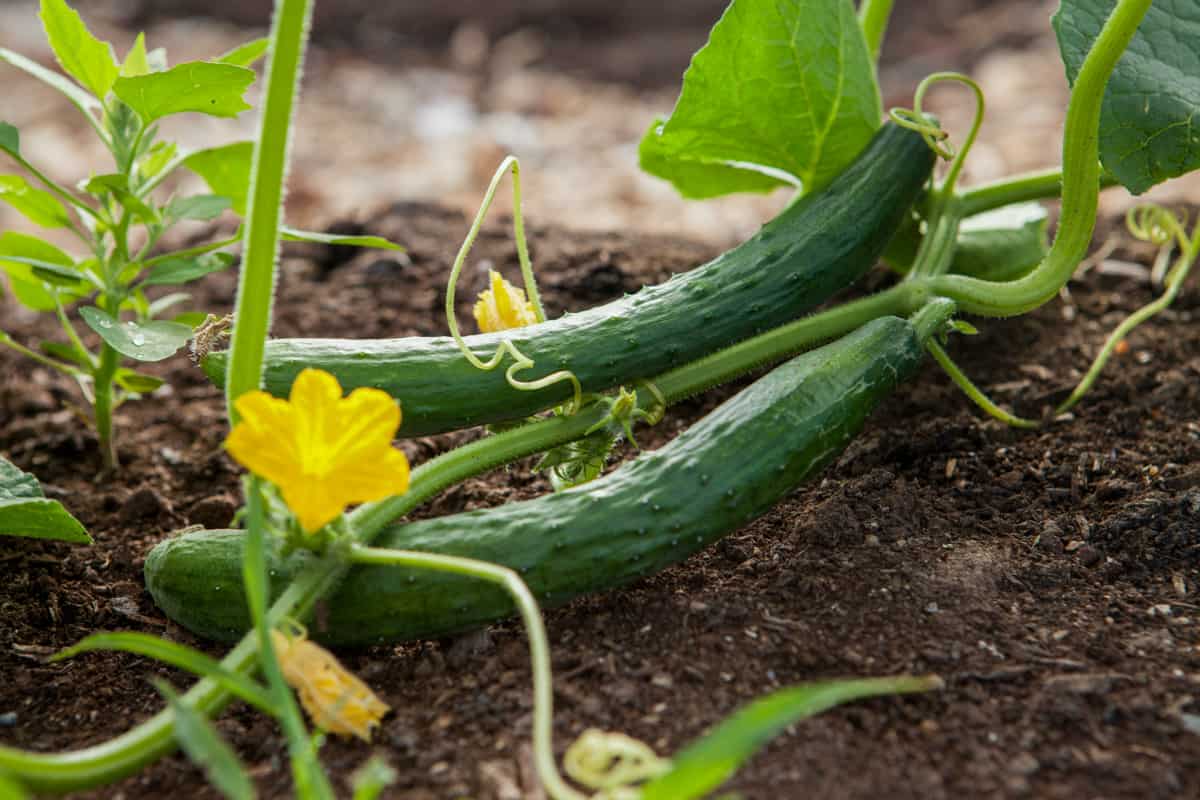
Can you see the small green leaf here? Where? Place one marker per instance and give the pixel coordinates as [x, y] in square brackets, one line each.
[117, 185]
[38, 205]
[226, 170]
[29, 289]
[198, 207]
[246, 54]
[67, 352]
[377, 242]
[84, 57]
[783, 90]
[55, 275]
[165, 302]
[157, 158]
[177, 655]
[204, 746]
[175, 271]
[24, 510]
[709, 762]
[1148, 122]
[82, 100]
[137, 382]
[197, 86]
[151, 341]
[10, 140]
[135, 60]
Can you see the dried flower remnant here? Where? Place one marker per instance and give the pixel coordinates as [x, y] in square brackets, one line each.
[336, 700]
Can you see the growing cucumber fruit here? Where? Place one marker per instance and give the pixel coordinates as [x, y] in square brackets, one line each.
[653, 511]
[813, 249]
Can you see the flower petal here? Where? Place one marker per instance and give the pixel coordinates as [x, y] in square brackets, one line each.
[312, 503]
[365, 481]
[264, 442]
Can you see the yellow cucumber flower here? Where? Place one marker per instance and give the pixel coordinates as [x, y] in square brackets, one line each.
[336, 700]
[503, 306]
[322, 450]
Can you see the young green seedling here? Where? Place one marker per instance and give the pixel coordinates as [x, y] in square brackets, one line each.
[116, 215]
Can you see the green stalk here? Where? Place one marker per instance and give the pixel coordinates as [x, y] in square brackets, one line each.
[1081, 184]
[539, 646]
[1043, 184]
[256, 285]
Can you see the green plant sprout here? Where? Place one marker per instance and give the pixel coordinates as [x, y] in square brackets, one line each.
[116, 216]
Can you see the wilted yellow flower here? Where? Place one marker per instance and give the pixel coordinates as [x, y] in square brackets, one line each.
[503, 306]
[335, 699]
[322, 450]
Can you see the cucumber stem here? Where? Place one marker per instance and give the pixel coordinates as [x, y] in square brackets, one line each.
[1081, 184]
[539, 647]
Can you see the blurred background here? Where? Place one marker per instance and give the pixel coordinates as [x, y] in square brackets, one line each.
[421, 100]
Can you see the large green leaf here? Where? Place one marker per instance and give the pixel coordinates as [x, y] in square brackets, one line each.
[709, 762]
[783, 93]
[149, 341]
[24, 510]
[36, 204]
[226, 170]
[197, 86]
[85, 58]
[1151, 112]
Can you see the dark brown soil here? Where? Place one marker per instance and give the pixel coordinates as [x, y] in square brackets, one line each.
[1051, 578]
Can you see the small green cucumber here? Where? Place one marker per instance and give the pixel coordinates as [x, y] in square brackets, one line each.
[651, 512]
[816, 247]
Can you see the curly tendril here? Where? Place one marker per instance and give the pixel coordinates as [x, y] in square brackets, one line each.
[521, 362]
[935, 136]
[611, 763]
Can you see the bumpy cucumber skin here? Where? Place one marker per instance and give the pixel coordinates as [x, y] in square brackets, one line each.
[812, 250]
[652, 512]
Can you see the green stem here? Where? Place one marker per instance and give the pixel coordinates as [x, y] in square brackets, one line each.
[1174, 281]
[8, 341]
[1081, 184]
[539, 648]
[873, 16]
[1043, 184]
[256, 286]
[972, 391]
[310, 780]
[102, 388]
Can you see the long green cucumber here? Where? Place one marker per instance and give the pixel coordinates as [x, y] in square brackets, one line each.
[653, 511]
[813, 249]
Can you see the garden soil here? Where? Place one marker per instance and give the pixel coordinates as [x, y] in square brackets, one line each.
[1049, 577]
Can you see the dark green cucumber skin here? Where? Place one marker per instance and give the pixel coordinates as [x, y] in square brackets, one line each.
[815, 248]
[652, 512]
